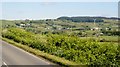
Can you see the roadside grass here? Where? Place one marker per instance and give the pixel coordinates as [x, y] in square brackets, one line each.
[52, 58]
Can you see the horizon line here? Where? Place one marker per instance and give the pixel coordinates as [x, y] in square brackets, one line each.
[62, 16]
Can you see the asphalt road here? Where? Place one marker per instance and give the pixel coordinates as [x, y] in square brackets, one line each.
[12, 55]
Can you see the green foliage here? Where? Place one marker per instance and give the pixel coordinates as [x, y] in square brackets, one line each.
[83, 51]
[86, 52]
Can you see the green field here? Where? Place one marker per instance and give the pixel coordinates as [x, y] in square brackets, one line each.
[74, 41]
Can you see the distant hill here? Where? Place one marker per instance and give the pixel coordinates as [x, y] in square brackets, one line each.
[85, 19]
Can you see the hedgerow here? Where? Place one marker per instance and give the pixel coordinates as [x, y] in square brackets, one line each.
[84, 52]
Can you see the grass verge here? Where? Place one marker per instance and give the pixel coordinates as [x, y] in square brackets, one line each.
[52, 58]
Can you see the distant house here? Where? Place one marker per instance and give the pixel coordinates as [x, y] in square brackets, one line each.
[108, 28]
[27, 24]
[95, 28]
[47, 28]
[22, 24]
[59, 28]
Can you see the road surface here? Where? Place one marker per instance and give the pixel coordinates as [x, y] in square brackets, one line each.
[12, 55]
